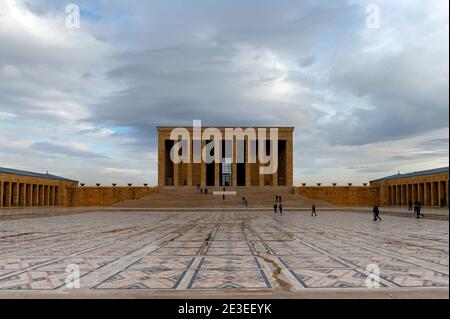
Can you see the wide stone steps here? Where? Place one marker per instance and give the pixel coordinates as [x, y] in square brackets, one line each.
[190, 197]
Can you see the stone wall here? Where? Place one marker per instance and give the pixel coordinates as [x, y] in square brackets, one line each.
[431, 190]
[28, 191]
[104, 196]
[342, 195]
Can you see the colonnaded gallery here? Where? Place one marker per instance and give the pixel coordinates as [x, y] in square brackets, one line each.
[20, 188]
[227, 171]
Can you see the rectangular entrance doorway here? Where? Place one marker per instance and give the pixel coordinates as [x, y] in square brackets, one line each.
[226, 171]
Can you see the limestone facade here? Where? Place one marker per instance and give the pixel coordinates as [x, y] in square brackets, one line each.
[224, 173]
[429, 187]
[26, 189]
[342, 195]
[104, 196]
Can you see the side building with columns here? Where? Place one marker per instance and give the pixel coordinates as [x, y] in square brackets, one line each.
[28, 189]
[228, 171]
[429, 187]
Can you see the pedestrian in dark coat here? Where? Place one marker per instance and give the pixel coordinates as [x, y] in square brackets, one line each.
[376, 213]
[313, 210]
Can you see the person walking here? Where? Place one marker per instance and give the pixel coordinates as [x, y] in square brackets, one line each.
[281, 208]
[418, 212]
[410, 205]
[279, 198]
[246, 202]
[275, 208]
[313, 210]
[376, 213]
[276, 199]
[206, 191]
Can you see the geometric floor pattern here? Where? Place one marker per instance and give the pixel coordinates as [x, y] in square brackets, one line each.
[136, 250]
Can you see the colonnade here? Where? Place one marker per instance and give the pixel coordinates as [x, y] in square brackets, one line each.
[433, 193]
[17, 194]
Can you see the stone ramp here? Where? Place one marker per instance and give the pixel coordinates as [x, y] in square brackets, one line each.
[190, 197]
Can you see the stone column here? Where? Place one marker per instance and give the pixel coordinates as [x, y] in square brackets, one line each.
[234, 162]
[405, 194]
[161, 160]
[418, 192]
[29, 193]
[41, 195]
[394, 187]
[431, 194]
[396, 194]
[389, 195]
[261, 176]
[189, 166]
[275, 179]
[202, 166]
[50, 196]
[289, 161]
[15, 193]
[248, 166]
[1, 194]
[176, 172]
[45, 195]
[392, 194]
[22, 194]
[217, 174]
[403, 188]
[446, 193]
[56, 195]
[35, 195]
[422, 194]
[408, 193]
[439, 194]
[8, 193]
[446, 190]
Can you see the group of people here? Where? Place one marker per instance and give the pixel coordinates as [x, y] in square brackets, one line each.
[278, 205]
[417, 207]
[202, 190]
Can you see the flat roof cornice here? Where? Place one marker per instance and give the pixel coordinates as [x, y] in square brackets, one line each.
[222, 127]
[11, 171]
[414, 174]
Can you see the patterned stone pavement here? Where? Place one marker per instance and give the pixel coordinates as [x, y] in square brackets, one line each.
[245, 251]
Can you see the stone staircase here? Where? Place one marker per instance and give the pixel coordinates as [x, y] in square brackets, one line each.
[190, 198]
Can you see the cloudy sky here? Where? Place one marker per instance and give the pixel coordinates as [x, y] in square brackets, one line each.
[85, 102]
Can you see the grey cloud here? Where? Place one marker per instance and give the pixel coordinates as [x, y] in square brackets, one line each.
[308, 61]
[407, 91]
[435, 144]
[169, 63]
[64, 150]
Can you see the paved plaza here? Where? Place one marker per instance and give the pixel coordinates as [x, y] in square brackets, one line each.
[125, 252]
